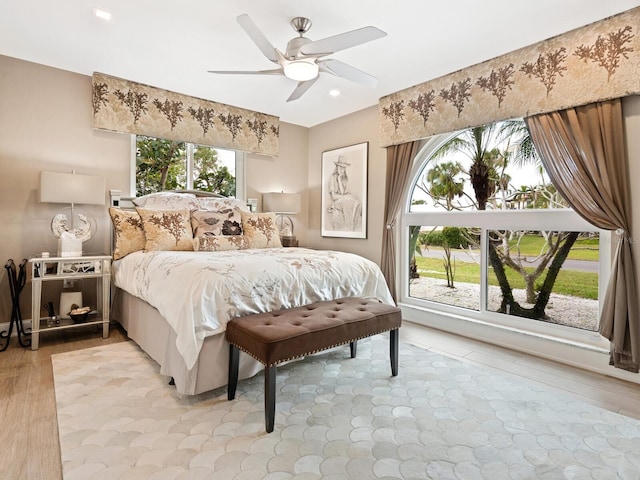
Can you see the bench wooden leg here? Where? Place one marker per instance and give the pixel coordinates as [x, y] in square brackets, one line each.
[269, 397]
[234, 360]
[393, 351]
[354, 348]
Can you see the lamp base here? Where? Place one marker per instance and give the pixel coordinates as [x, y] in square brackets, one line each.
[69, 247]
[289, 241]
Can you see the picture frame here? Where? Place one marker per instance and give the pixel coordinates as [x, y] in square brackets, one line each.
[344, 191]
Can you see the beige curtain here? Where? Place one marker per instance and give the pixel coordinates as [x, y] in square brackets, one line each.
[583, 151]
[399, 161]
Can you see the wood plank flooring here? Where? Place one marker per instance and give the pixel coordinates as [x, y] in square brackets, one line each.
[29, 430]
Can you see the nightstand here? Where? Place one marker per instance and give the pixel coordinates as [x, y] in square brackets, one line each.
[59, 269]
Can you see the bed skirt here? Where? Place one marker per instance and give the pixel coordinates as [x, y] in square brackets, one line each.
[152, 333]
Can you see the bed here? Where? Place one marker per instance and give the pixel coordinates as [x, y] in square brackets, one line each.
[175, 303]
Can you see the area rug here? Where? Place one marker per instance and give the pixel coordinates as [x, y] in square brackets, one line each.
[336, 418]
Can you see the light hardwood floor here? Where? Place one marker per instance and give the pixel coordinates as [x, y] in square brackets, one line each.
[28, 425]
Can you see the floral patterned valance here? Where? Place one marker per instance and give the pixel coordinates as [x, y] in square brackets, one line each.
[597, 62]
[129, 107]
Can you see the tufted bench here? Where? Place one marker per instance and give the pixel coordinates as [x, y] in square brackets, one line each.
[275, 337]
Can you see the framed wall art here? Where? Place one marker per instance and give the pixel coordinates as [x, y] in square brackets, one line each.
[344, 191]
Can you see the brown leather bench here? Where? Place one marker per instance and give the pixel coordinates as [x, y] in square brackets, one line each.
[282, 335]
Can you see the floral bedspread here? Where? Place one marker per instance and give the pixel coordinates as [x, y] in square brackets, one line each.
[199, 292]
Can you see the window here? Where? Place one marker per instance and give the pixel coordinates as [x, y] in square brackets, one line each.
[160, 164]
[489, 237]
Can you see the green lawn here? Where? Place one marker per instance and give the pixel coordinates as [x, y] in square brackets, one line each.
[583, 249]
[569, 282]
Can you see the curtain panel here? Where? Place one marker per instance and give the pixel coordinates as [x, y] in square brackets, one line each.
[593, 63]
[129, 107]
[399, 161]
[583, 151]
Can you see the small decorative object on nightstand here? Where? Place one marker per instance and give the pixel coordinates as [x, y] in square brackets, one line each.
[46, 269]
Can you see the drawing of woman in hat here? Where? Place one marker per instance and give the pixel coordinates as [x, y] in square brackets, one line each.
[345, 208]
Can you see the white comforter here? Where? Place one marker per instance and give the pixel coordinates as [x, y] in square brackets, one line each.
[199, 292]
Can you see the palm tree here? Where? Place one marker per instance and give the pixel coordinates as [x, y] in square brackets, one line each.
[444, 182]
[479, 144]
[475, 143]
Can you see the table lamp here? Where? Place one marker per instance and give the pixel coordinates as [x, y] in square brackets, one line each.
[72, 225]
[283, 205]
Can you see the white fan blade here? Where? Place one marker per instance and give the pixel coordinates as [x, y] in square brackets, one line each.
[339, 42]
[301, 89]
[258, 37]
[276, 71]
[344, 70]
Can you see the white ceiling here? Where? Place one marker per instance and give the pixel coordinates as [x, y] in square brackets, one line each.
[171, 44]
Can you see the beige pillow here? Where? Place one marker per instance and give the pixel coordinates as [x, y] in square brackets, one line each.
[166, 229]
[219, 243]
[128, 234]
[227, 221]
[261, 230]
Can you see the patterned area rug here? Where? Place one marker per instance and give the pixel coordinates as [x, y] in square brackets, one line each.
[336, 418]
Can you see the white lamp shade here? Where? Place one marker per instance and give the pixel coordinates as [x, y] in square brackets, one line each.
[58, 187]
[280, 202]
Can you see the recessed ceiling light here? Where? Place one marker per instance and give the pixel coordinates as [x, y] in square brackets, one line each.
[334, 93]
[102, 14]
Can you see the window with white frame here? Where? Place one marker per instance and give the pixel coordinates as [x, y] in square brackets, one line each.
[488, 237]
[161, 164]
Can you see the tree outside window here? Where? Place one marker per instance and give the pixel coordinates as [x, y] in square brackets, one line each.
[169, 165]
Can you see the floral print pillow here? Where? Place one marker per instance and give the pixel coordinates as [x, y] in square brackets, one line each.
[219, 243]
[261, 230]
[226, 221]
[166, 229]
[128, 234]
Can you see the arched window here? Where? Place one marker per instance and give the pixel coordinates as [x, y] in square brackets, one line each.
[487, 239]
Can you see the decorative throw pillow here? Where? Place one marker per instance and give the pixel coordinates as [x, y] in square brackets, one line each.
[166, 229]
[219, 243]
[261, 230]
[167, 201]
[213, 203]
[128, 234]
[227, 221]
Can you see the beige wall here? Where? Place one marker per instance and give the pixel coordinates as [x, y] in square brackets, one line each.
[355, 128]
[285, 173]
[45, 124]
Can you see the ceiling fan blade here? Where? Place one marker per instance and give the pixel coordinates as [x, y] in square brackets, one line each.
[258, 37]
[276, 71]
[301, 89]
[344, 70]
[339, 42]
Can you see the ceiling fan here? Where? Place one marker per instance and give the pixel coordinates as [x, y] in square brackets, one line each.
[301, 60]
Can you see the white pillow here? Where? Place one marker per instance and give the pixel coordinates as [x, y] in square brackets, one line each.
[213, 203]
[167, 201]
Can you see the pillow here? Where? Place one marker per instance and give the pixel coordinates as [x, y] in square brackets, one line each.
[219, 243]
[227, 221]
[212, 203]
[261, 230]
[167, 201]
[166, 229]
[128, 236]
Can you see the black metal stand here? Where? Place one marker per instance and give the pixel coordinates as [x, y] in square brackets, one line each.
[17, 280]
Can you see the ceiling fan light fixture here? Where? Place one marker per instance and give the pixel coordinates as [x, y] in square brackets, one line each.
[301, 70]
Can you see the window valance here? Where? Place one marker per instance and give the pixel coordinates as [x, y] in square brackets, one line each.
[592, 63]
[129, 107]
